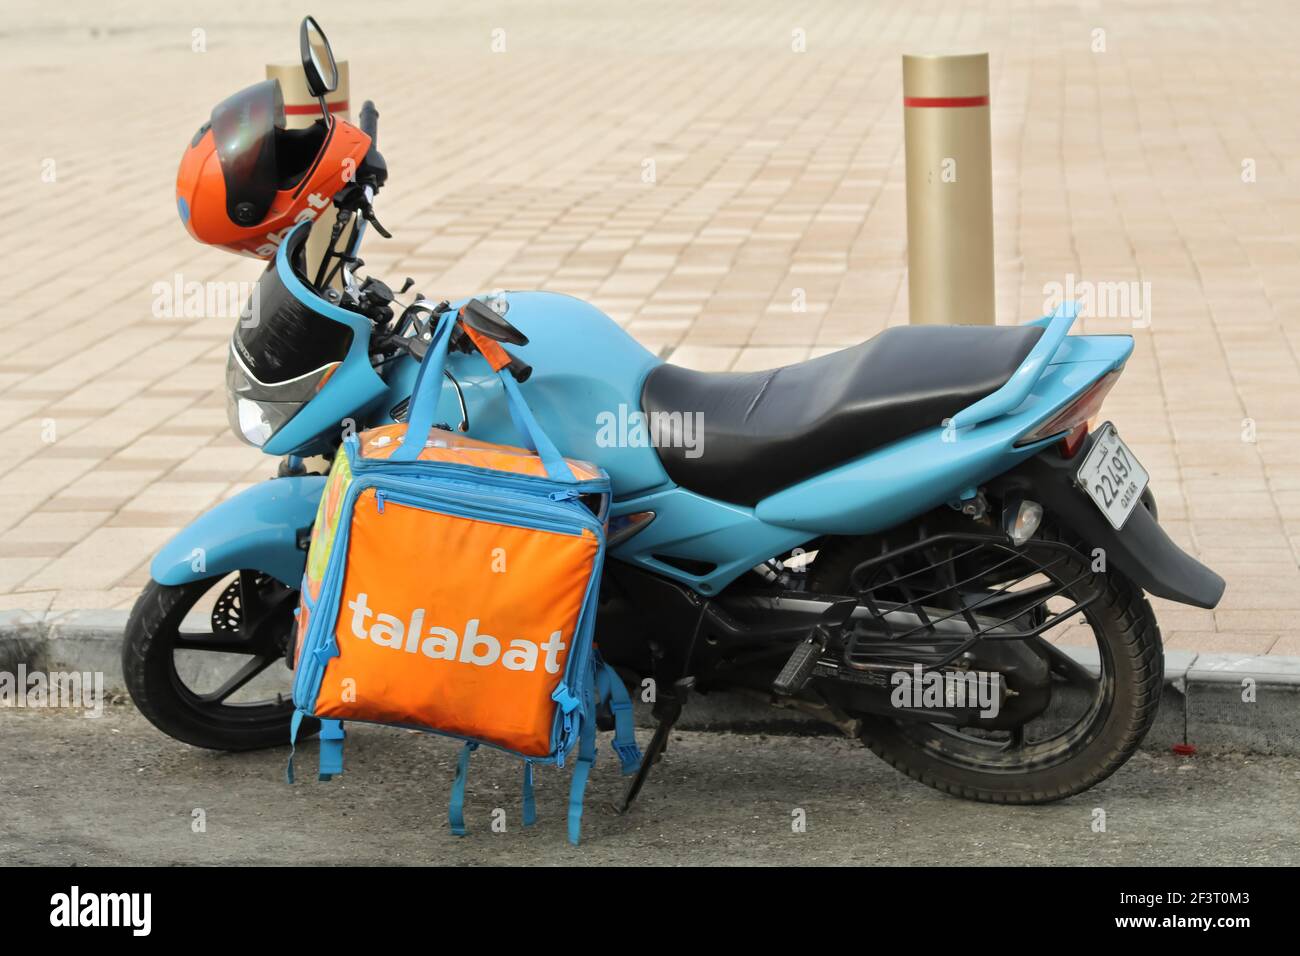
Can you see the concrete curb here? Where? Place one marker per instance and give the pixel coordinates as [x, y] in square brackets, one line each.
[1206, 701]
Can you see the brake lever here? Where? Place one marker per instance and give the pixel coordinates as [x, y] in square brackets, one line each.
[369, 213]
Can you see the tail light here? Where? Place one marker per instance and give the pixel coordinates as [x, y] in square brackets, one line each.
[1073, 440]
[1073, 419]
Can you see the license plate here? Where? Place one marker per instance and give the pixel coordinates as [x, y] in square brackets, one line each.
[1112, 476]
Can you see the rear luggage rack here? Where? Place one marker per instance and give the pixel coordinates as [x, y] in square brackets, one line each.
[932, 601]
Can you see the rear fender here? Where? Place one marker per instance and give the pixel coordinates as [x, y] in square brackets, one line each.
[1141, 549]
[264, 528]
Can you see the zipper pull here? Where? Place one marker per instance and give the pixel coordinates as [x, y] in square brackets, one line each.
[568, 494]
[379, 500]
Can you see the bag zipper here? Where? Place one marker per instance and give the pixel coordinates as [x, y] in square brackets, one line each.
[428, 497]
[455, 472]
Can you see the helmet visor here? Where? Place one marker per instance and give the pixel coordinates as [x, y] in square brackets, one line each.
[243, 127]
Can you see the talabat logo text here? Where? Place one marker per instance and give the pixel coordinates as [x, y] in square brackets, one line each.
[444, 644]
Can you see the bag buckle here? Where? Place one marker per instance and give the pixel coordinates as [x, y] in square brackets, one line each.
[568, 703]
[326, 652]
[629, 756]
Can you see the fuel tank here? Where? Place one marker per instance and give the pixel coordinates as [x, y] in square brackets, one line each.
[585, 388]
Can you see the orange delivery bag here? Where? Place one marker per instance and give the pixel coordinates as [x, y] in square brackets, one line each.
[451, 587]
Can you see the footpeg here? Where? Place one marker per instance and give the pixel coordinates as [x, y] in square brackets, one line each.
[794, 675]
[798, 669]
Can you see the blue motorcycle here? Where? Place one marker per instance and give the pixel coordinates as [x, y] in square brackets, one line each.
[924, 540]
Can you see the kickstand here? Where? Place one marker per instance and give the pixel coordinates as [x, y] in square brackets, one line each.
[668, 707]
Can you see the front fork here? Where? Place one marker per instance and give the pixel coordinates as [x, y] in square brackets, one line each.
[291, 466]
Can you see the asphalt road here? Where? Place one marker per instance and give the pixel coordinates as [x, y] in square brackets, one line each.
[115, 791]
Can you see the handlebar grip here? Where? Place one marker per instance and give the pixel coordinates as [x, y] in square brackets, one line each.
[519, 369]
[370, 121]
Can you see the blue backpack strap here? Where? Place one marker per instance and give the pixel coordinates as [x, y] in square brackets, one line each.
[426, 392]
[456, 808]
[530, 803]
[331, 748]
[557, 469]
[586, 757]
[295, 724]
[610, 688]
[428, 389]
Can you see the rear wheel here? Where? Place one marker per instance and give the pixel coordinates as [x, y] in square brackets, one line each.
[1106, 677]
[205, 661]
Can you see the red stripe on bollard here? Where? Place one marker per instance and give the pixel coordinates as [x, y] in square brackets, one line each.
[942, 101]
[312, 108]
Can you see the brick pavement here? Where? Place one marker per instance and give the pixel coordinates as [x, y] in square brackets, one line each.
[775, 171]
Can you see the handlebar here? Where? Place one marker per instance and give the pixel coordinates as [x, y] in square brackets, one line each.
[519, 369]
[370, 121]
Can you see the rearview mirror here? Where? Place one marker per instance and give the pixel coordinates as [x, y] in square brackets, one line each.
[482, 318]
[317, 58]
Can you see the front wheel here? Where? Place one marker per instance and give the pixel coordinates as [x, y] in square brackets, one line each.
[1106, 668]
[205, 661]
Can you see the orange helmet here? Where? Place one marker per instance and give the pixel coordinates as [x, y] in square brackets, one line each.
[245, 180]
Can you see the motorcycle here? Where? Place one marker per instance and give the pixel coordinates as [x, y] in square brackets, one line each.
[922, 540]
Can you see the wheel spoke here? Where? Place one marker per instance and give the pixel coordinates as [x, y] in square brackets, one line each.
[207, 641]
[251, 669]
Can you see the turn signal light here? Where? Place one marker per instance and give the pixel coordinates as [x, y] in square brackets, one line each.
[1075, 414]
[622, 527]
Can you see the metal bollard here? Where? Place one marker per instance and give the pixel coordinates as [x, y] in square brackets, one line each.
[301, 110]
[949, 189]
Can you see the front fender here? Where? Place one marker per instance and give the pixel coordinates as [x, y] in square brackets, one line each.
[258, 529]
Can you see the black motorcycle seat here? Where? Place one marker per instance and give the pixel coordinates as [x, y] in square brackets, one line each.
[764, 431]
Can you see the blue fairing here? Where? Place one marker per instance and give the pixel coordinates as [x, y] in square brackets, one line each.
[921, 471]
[352, 390]
[876, 491]
[588, 376]
[868, 494]
[257, 530]
[585, 369]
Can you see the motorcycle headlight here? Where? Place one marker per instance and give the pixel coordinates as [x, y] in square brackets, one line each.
[250, 421]
[257, 410]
